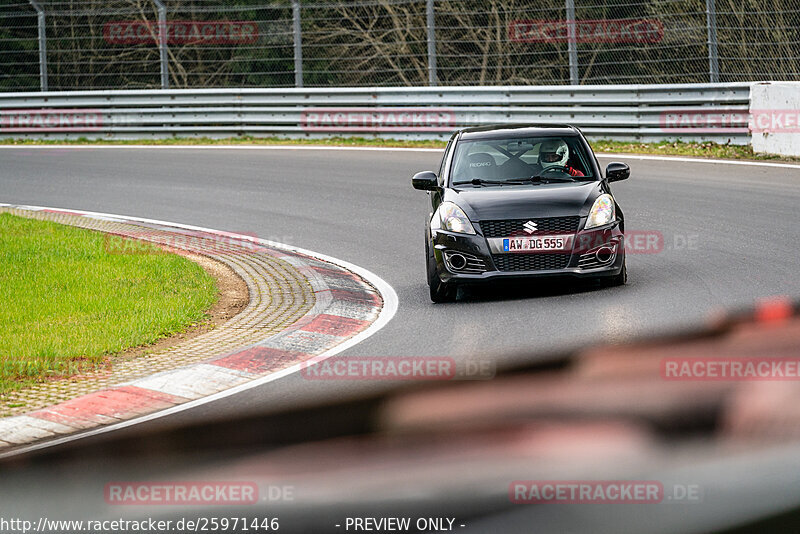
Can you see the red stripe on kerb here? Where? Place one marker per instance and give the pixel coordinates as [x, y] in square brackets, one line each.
[63, 212]
[336, 325]
[260, 359]
[333, 273]
[119, 403]
[356, 296]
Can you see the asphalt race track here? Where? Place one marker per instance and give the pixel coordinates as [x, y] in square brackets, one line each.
[730, 234]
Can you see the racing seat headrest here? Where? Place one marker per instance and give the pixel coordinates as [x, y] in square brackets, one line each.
[481, 165]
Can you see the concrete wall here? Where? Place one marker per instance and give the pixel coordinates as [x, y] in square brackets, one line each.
[775, 117]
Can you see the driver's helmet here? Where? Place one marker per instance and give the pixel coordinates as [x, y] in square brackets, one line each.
[553, 152]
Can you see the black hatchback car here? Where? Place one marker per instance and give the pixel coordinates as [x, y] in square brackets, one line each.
[521, 201]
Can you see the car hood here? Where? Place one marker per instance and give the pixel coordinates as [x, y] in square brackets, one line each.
[519, 202]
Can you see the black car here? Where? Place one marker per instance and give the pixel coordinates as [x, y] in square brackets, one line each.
[521, 201]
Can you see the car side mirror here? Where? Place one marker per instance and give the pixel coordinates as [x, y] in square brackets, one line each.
[425, 181]
[617, 171]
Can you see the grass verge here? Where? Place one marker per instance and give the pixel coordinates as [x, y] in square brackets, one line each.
[695, 150]
[664, 148]
[69, 303]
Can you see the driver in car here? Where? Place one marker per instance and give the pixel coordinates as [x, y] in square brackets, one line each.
[555, 153]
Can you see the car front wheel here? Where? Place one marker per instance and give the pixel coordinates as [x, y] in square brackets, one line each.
[621, 279]
[440, 291]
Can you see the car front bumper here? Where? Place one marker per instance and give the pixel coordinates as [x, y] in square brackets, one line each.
[581, 260]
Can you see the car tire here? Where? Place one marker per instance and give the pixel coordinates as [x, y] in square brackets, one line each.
[439, 291]
[442, 292]
[621, 279]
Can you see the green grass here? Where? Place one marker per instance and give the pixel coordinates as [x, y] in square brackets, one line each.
[68, 303]
[698, 150]
[666, 148]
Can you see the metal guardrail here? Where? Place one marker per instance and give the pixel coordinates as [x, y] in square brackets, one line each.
[715, 112]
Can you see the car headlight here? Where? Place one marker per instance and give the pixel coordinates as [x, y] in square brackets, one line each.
[602, 211]
[451, 218]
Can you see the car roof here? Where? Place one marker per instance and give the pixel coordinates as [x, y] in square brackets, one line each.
[498, 131]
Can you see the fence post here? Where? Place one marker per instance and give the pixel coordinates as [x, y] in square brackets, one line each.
[42, 44]
[162, 42]
[713, 57]
[572, 43]
[298, 44]
[433, 79]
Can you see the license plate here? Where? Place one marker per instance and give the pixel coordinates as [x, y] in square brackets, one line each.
[528, 244]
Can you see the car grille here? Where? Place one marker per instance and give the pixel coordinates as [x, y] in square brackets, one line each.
[530, 262]
[510, 227]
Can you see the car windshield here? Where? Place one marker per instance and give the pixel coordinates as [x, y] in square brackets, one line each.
[520, 160]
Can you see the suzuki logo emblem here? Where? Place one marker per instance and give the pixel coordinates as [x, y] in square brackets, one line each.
[530, 227]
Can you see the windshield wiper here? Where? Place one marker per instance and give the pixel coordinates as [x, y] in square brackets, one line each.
[513, 181]
[480, 181]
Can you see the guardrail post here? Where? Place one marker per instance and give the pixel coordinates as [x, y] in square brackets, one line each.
[431, 25]
[713, 57]
[42, 44]
[572, 43]
[162, 42]
[298, 44]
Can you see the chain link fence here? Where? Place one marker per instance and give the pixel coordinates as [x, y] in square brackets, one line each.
[132, 44]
